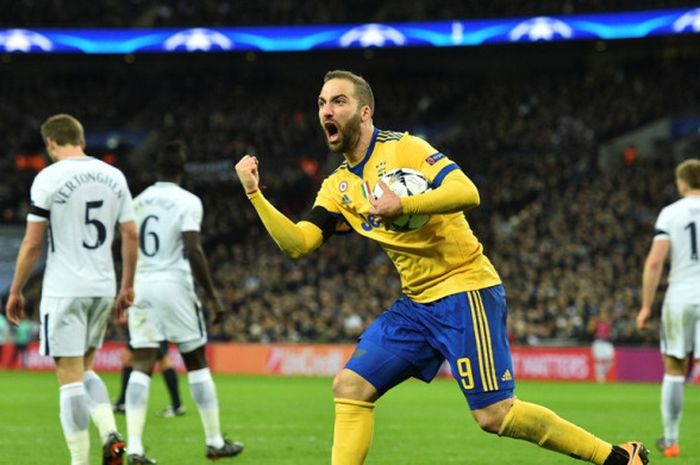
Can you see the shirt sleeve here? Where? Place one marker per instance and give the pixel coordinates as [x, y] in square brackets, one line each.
[330, 210]
[192, 218]
[126, 213]
[663, 225]
[325, 199]
[418, 154]
[41, 197]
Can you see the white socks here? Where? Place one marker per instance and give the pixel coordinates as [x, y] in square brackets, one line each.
[672, 406]
[74, 421]
[204, 395]
[136, 405]
[98, 404]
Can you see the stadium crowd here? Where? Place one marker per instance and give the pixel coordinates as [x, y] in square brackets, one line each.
[567, 237]
[180, 13]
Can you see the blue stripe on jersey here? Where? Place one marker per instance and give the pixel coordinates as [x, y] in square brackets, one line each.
[359, 168]
[444, 172]
[658, 232]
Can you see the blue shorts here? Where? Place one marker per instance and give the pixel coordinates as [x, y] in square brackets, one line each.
[413, 339]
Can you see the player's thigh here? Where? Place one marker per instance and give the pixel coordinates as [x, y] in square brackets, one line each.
[145, 332]
[394, 349]
[99, 311]
[678, 327]
[471, 332]
[63, 327]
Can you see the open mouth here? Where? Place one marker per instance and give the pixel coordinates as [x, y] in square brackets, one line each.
[332, 131]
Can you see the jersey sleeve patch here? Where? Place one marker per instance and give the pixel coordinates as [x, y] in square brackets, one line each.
[434, 158]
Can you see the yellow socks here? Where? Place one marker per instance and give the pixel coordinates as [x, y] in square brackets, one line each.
[543, 427]
[352, 436]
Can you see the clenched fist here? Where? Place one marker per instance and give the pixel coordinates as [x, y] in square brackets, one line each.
[247, 171]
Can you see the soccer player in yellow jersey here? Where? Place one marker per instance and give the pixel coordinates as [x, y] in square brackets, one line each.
[453, 305]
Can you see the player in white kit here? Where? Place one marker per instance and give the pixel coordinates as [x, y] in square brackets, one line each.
[78, 200]
[677, 232]
[166, 306]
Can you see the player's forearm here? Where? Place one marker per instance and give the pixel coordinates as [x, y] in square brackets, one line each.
[650, 282]
[129, 256]
[293, 239]
[200, 270]
[26, 260]
[456, 193]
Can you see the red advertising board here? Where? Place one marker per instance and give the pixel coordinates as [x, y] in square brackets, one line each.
[533, 363]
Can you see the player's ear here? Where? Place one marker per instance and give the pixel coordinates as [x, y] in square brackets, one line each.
[365, 113]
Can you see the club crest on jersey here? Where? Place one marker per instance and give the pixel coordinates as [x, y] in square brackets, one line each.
[381, 168]
[434, 158]
[343, 186]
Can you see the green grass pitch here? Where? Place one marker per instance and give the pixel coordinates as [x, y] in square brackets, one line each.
[289, 421]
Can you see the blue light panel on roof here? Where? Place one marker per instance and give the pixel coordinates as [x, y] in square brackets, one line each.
[456, 33]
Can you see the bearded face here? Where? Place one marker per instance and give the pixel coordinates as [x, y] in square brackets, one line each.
[342, 137]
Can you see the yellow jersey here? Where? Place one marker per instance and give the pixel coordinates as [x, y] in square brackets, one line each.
[441, 258]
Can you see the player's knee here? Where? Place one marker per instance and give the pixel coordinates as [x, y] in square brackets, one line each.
[144, 360]
[489, 423]
[195, 360]
[349, 385]
[340, 385]
[491, 418]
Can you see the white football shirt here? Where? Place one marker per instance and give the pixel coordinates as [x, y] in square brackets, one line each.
[83, 199]
[680, 223]
[163, 212]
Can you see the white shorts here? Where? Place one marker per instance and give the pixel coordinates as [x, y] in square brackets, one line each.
[603, 350]
[680, 329]
[72, 325]
[166, 311]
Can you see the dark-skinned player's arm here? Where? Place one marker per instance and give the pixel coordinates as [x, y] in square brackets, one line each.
[200, 270]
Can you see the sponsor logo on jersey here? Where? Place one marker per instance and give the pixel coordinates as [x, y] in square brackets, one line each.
[507, 376]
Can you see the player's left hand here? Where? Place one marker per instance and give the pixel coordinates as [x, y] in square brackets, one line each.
[388, 206]
[15, 307]
[124, 300]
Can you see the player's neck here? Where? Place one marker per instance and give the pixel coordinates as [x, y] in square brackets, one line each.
[358, 153]
[70, 151]
[176, 180]
[692, 193]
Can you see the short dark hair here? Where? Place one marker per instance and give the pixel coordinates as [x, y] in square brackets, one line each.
[689, 171]
[63, 129]
[363, 91]
[172, 158]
